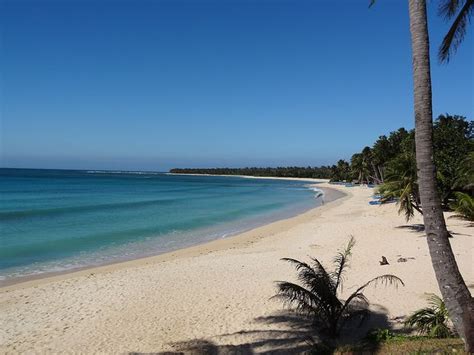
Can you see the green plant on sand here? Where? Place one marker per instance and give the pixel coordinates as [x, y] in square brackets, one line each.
[463, 206]
[432, 320]
[317, 295]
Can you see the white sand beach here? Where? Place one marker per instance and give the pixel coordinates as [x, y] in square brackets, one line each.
[218, 295]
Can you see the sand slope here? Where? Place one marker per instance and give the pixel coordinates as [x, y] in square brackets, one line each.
[218, 294]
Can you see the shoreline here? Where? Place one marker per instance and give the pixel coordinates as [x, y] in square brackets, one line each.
[219, 295]
[33, 280]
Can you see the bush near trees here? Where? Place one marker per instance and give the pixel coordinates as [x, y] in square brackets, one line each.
[431, 320]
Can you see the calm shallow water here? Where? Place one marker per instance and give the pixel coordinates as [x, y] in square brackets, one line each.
[56, 220]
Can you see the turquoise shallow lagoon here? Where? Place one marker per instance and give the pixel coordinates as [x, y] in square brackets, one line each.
[58, 220]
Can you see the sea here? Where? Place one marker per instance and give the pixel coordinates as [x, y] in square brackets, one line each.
[61, 220]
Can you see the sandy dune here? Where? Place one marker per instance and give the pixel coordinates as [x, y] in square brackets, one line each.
[218, 294]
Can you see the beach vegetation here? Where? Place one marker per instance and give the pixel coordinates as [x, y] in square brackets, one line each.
[432, 320]
[341, 171]
[465, 174]
[463, 206]
[401, 185]
[390, 163]
[322, 172]
[317, 293]
[383, 341]
[454, 157]
[361, 166]
[453, 141]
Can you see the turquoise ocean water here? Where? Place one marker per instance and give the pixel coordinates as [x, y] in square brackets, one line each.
[58, 220]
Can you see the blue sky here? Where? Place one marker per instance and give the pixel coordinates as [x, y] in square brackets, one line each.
[156, 84]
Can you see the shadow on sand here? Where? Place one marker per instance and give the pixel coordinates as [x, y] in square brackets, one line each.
[420, 228]
[417, 228]
[292, 334]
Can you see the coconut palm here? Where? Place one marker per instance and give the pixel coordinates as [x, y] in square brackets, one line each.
[457, 296]
[433, 320]
[381, 154]
[360, 168]
[401, 185]
[341, 171]
[317, 295]
[463, 206]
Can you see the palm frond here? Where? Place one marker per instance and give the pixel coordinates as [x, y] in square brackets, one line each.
[457, 31]
[317, 280]
[441, 330]
[431, 320]
[463, 206]
[448, 8]
[384, 279]
[313, 277]
[325, 279]
[301, 267]
[302, 299]
[422, 319]
[359, 301]
[293, 293]
[436, 302]
[341, 260]
[405, 202]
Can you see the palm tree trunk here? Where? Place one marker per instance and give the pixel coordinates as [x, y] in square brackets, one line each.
[455, 293]
[381, 173]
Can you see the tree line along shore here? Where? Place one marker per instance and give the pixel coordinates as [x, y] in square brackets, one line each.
[390, 163]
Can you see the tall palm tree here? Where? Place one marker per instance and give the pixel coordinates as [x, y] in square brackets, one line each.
[455, 293]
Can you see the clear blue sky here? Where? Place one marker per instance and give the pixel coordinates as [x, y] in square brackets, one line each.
[156, 84]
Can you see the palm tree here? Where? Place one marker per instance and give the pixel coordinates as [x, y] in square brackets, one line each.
[401, 185]
[457, 296]
[432, 320]
[368, 158]
[360, 167]
[381, 154]
[317, 296]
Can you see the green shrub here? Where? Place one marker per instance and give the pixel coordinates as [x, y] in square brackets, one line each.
[432, 320]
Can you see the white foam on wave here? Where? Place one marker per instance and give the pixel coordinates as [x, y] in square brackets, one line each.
[122, 172]
[318, 192]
